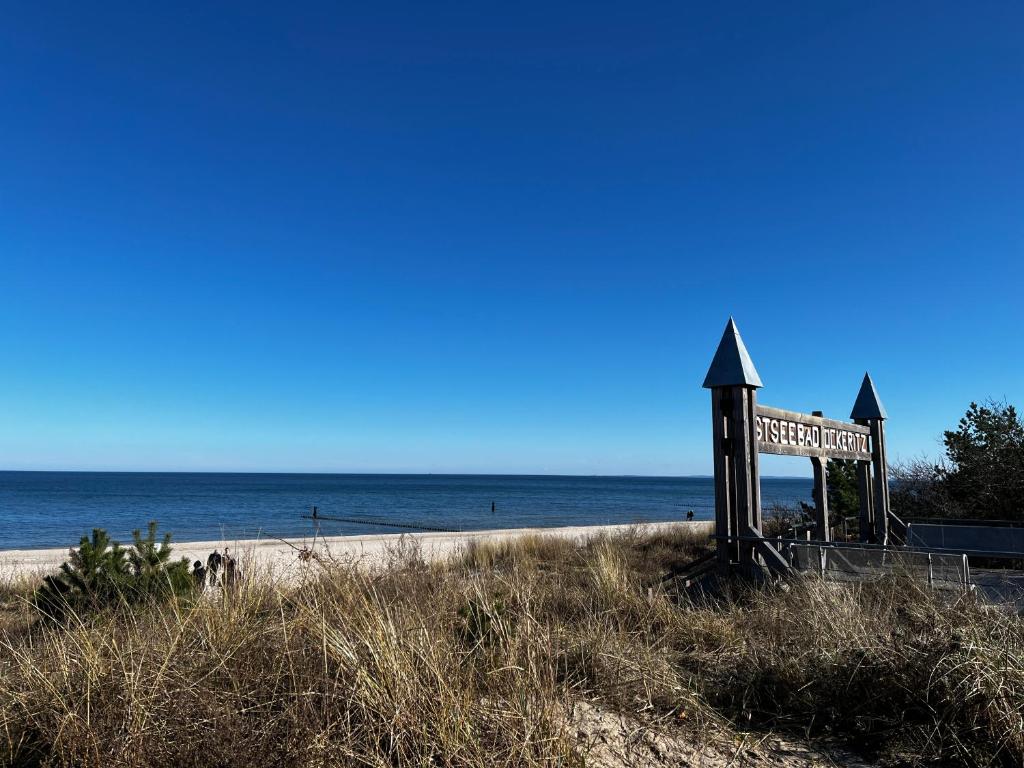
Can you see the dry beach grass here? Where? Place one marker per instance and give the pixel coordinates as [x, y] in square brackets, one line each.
[539, 651]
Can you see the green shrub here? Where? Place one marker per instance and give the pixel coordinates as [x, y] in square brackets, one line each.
[102, 574]
[154, 577]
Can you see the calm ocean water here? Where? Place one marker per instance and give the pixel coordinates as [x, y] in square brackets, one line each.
[53, 509]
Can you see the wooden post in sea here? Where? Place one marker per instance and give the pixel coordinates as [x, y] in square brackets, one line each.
[874, 490]
[734, 382]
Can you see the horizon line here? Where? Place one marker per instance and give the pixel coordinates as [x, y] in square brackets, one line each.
[379, 473]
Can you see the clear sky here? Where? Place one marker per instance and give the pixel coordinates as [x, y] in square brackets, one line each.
[493, 237]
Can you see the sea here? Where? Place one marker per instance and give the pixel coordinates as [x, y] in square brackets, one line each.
[55, 509]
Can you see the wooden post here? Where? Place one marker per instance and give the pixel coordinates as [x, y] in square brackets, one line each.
[819, 464]
[725, 525]
[874, 492]
[748, 484]
[867, 505]
[821, 527]
[881, 481]
[733, 382]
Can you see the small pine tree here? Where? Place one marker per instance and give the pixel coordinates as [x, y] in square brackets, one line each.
[94, 575]
[154, 575]
[102, 574]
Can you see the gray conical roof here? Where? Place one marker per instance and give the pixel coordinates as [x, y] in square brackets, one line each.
[732, 365]
[868, 406]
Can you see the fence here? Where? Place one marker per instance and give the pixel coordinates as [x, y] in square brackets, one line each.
[940, 568]
[853, 563]
[978, 538]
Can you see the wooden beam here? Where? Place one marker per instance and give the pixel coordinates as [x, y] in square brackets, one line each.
[820, 493]
[881, 481]
[723, 490]
[789, 433]
[748, 491]
[867, 511]
[822, 529]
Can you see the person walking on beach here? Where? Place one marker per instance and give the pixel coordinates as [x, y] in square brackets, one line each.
[689, 516]
[231, 572]
[213, 565]
[199, 575]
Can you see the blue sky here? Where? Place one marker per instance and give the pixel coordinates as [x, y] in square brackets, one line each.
[497, 238]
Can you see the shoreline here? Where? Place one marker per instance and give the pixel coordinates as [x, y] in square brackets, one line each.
[280, 555]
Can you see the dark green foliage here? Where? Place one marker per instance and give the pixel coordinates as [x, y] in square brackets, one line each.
[154, 575]
[983, 477]
[985, 474]
[916, 491]
[843, 497]
[103, 574]
[93, 576]
[478, 619]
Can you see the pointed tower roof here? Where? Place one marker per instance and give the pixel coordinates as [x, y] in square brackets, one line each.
[868, 406]
[731, 365]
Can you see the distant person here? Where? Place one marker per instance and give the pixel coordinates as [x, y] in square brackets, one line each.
[231, 570]
[689, 516]
[213, 565]
[199, 575]
[492, 507]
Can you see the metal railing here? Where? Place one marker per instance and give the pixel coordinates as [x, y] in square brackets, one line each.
[939, 567]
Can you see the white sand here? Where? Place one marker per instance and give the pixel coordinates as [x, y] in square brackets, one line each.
[281, 556]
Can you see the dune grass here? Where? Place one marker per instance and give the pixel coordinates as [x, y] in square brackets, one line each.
[482, 660]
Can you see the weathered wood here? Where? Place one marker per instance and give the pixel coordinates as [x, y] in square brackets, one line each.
[881, 481]
[745, 462]
[820, 494]
[742, 431]
[789, 450]
[772, 557]
[782, 413]
[789, 433]
[867, 516]
[865, 493]
[822, 530]
[723, 487]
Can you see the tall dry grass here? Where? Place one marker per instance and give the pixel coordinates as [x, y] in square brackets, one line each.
[479, 662]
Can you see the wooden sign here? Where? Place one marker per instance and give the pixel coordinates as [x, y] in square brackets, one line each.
[742, 429]
[788, 433]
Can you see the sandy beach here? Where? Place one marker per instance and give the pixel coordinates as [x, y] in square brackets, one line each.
[281, 556]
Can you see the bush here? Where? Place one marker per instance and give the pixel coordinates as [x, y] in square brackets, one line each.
[985, 473]
[102, 574]
[982, 477]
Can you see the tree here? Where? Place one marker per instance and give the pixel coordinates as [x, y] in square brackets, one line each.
[916, 490]
[843, 496]
[154, 575]
[102, 574]
[94, 575]
[985, 473]
[982, 477]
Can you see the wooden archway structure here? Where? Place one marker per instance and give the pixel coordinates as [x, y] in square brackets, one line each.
[742, 430]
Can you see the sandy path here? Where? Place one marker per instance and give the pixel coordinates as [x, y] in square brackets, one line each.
[281, 556]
